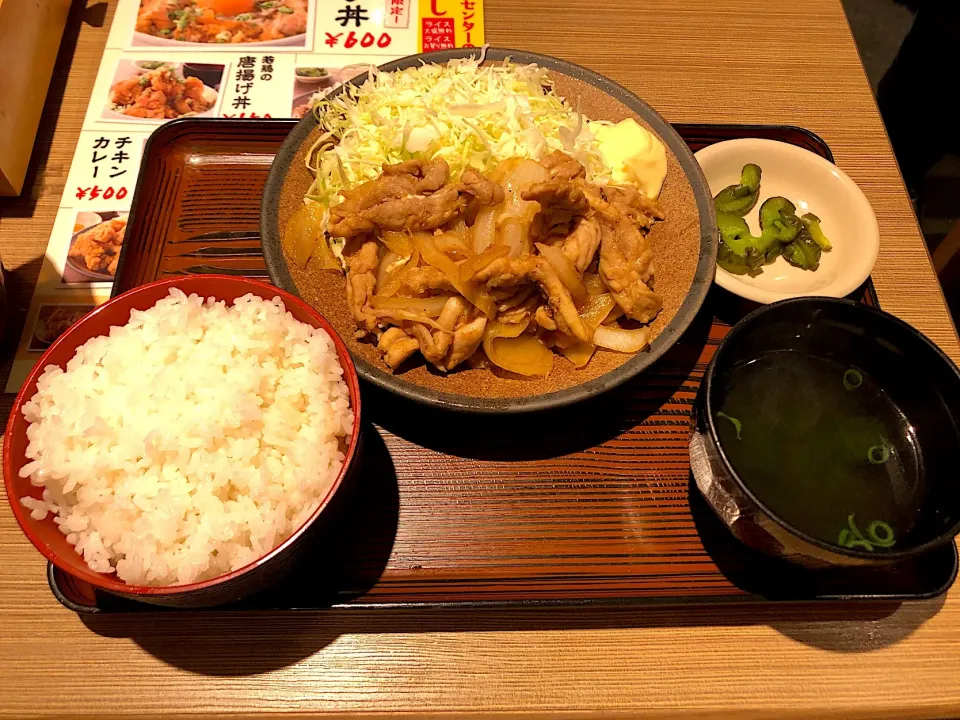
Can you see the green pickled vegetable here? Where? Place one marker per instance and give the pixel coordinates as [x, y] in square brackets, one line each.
[750, 177]
[778, 217]
[740, 252]
[803, 252]
[812, 224]
[800, 240]
[740, 199]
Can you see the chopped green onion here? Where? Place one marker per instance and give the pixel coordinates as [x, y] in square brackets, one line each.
[166, 31]
[851, 537]
[267, 5]
[243, 17]
[737, 425]
[887, 540]
[852, 379]
[285, 10]
[879, 454]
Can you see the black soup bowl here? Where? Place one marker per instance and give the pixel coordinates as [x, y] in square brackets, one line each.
[805, 449]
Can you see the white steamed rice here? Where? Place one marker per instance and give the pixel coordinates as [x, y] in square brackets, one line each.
[189, 442]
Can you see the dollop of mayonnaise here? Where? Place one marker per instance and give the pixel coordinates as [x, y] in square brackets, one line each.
[634, 155]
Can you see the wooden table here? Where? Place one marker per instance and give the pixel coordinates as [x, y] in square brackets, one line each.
[754, 61]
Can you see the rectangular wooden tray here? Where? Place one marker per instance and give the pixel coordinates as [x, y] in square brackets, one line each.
[590, 504]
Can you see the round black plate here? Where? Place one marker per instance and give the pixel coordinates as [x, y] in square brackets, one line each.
[703, 277]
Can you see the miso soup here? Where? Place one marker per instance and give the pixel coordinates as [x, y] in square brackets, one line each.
[823, 447]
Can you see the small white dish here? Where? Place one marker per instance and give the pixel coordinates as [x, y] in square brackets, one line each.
[814, 185]
[86, 220]
[327, 79]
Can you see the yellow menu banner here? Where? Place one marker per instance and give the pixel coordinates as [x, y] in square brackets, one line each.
[450, 23]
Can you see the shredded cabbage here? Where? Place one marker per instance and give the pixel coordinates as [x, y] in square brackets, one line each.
[466, 113]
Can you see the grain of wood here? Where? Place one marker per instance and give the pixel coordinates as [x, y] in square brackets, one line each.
[686, 58]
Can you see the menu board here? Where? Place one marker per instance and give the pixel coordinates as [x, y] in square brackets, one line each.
[168, 59]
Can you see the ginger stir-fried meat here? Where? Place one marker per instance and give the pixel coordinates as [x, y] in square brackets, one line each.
[563, 167]
[507, 272]
[413, 195]
[581, 244]
[361, 282]
[420, 280]
[396, 346]
[427, 275]
[418, 212]
[466, 341]
[561, 202]
[639, 209]
[480, 187]
[430, 176]
[626, 265]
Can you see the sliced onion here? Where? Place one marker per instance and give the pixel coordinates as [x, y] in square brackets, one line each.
[391, 284]
[460, 228]
[397, 242]
[399, 316]
[388, 267]
[484, 228]
[431, 307]
[520, 177]
[473, 292]
[471, 266]
[597, 309]
[431, 255]
[566, 270]
[510, 233]
[304, 232]
[616, 312]
[324, 255]
[562, 340]
[580, 353]
[504, 170]
[497, 329]
[594, 284]
[507, 346]
[453, 245]
[625, 341]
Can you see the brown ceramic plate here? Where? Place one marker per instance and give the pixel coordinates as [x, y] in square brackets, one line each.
[685, 246]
